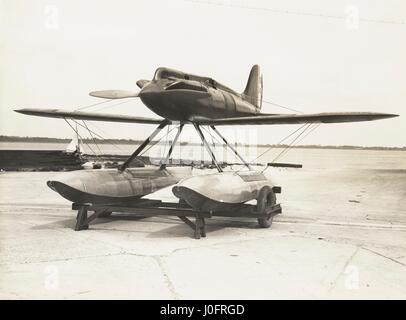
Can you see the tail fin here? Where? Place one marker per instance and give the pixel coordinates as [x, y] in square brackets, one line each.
[253, 90]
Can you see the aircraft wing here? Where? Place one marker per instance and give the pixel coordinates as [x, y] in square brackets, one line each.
[92, 116]
[263, 119]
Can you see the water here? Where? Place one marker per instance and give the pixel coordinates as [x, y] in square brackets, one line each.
[310, 158]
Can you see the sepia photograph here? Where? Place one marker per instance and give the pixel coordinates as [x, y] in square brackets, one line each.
[202, 150]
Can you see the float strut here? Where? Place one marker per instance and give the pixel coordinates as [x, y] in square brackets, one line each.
[163, 165]
[162, 125]
[231, 147]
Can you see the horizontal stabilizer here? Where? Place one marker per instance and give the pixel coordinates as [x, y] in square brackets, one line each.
[263, 119]
[114, 94]
[91, 116]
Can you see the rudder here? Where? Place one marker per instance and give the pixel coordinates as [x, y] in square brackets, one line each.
[253, 89]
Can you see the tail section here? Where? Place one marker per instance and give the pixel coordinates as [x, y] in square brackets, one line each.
[253, 90]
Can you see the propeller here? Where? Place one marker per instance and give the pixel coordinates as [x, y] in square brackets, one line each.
[114, 94]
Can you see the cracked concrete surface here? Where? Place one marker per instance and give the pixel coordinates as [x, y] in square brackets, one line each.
[322, 246]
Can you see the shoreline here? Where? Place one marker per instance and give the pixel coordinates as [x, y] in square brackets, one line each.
[15, 139]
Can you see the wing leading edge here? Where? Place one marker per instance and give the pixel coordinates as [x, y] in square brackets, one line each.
[262, 119]
[337, 117]
[91, 116]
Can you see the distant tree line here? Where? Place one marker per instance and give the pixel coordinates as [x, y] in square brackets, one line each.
[131, 141]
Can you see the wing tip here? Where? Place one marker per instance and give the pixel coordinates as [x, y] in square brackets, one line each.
[391, 115]
[381, 116]
[33, 111]
[23, 110]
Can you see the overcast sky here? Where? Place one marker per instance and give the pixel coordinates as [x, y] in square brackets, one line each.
[52, 53]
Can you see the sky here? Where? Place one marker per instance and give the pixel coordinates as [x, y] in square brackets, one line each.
[315, 56]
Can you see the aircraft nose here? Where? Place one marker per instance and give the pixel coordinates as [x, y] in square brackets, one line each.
[173, 103]
[150, 88]
[152, 96]
[150, 93]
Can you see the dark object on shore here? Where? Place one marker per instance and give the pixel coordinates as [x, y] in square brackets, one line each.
[284, 165]
[56, 160]
[39, 160]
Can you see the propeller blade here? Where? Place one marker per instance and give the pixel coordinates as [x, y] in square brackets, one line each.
[114, 94]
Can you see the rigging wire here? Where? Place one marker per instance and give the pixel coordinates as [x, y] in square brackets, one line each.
[166, 141]
[104, 132]
[291, 12]
[212, 139]
[158, 140]
[115, 104]
[311, 130]
[105, 107]
[102, 102]
[272, 103]
[281, 106]
[308, 125]
[278, 142]
[295, 143]
[77, 132]
[98, 135]
[219, 142]
[91, 135]
[92, 105]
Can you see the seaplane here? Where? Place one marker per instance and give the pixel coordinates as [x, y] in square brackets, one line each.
[180, 99]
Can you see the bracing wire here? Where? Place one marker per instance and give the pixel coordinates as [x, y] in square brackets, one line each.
[274, 104]
[91, 135]
[219, 142]
[157, 141]
[295, 143]
[285, 138]
[291, 12]
[212, 138]
[166, 141]
[104, 132]
[92, 105]
[115, 104]
[281, 106]
[309, 132]
[105, 107]
[98, 135]
[77, 132]
[286, 149]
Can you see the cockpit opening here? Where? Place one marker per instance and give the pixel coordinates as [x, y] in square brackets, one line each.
[165, 73]
[186, 85]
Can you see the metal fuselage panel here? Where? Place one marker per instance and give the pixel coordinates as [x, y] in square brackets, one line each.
[180, 97]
